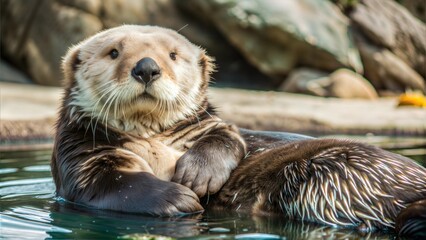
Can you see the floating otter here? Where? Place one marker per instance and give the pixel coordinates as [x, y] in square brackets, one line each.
[136, 133]
[134, 117]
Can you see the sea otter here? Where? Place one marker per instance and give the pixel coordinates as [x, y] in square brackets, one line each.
[134, 117]
[136, 133]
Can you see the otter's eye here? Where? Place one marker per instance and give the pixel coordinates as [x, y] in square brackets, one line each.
[113, 54]
[173, 55]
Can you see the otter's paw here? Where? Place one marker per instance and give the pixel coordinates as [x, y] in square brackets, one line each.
[203, 176]
[176, 200]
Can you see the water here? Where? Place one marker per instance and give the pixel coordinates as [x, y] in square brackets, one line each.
[29, 210]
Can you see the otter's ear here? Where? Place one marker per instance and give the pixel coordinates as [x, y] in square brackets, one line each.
[70, 62]
[207, 65]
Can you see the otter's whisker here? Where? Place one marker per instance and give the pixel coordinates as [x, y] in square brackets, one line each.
[153, 109]
[206, 111]
[93, 115]
[116, 103]
[102, 109]
[111, 99]
[180, 29]
[185, 103]
[106, 114]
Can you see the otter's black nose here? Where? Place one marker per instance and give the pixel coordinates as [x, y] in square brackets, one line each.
[146, 70]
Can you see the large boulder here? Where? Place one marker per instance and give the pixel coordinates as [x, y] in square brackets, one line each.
[276, 35]
[386, 71]
[36, 34]
[387, 24]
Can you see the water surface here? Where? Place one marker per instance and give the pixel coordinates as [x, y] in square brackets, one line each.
[29, 210]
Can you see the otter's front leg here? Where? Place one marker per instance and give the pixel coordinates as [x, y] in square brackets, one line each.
[142, 192]
[117, 179]
[206, 166]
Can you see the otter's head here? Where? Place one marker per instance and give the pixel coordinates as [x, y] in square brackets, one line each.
[132, 75]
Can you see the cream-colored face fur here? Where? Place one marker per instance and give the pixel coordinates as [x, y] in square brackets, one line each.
[106, 91]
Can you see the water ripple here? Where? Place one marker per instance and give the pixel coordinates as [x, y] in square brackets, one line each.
[8, 170]
[27, 187]
[20, 228]
[39, 168]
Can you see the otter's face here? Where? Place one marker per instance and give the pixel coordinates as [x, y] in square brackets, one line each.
[133, 71]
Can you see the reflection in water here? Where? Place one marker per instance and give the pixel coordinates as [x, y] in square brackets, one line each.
[301, 230]
[30, 211]
[93, 223]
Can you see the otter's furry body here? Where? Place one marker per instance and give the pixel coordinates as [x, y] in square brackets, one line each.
[135, 131]
[335, 182]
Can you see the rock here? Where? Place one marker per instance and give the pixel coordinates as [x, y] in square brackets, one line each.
[345, 83]
[154, 12]
[304, 80]
[386, 71]
[93, 6]
[38, 33]
[276, 35]
[388, 24]
[342, 83]
[312, 115]
[10, 74]
[27, 113]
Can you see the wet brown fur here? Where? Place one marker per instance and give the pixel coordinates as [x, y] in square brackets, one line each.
[106, 167]
[334, 176]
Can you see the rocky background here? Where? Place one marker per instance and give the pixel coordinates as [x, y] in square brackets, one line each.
[329, 48]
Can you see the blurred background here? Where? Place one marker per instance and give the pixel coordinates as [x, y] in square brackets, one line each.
[357, 56]
[293, 46]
